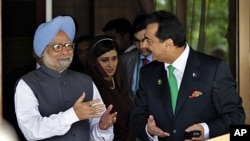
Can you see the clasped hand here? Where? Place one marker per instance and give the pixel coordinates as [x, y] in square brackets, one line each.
[93, 109]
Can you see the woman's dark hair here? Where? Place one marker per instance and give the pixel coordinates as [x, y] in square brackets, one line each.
[98, 46]
[169, 27]
[102, 44]
[76, 65]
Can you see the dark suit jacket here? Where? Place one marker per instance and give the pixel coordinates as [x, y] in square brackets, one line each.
[219, 105]
[128, 62]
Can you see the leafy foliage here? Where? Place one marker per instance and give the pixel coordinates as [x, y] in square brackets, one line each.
[215, 26]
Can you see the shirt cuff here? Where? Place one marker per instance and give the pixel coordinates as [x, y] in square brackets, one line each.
[70, 116]
[101, 135]
[151, 138]
[206, 130]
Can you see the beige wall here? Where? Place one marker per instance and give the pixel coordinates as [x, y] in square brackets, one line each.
[1, 62]
[244, 54]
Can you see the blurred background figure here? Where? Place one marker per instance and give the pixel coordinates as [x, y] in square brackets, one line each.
[121, 30]
[134, 60]
[9, 91]
[79, 59]
[217, 52]
[7, 132]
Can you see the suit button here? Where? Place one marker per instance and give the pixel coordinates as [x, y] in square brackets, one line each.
[174, 131]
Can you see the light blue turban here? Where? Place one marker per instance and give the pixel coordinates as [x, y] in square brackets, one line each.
[47, 31]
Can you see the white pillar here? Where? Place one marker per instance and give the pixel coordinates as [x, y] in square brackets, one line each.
[48, 9]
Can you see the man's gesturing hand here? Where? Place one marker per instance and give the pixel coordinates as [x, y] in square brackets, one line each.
[89, 109]
[154, 130]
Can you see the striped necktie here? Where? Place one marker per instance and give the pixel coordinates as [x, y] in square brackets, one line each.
[145, 61]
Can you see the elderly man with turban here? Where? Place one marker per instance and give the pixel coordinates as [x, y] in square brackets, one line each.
[55, 103]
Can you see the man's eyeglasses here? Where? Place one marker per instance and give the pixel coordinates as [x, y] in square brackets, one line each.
[57, 47]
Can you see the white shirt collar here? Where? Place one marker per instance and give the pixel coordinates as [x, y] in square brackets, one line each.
[181, 61]
[149, 57]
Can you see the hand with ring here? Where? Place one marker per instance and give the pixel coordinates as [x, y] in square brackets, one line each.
[107, 120]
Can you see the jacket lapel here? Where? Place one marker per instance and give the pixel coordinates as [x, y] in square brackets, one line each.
[162, 88]
[190, 78]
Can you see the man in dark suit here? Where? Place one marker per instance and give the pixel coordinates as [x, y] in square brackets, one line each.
[132, 61]
[207, 100]
[121, 30]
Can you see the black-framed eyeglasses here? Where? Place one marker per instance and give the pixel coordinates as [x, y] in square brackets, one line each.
[57, 47]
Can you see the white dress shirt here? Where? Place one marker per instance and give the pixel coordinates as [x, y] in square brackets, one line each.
[36, 127]
[138, 65]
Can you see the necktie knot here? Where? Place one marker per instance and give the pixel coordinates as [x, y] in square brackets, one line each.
[171, 69]
[145, 61]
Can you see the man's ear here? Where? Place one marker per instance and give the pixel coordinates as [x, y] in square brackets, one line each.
[168, 43]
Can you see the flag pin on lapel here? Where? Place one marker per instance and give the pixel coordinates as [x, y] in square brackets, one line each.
[159, 81]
